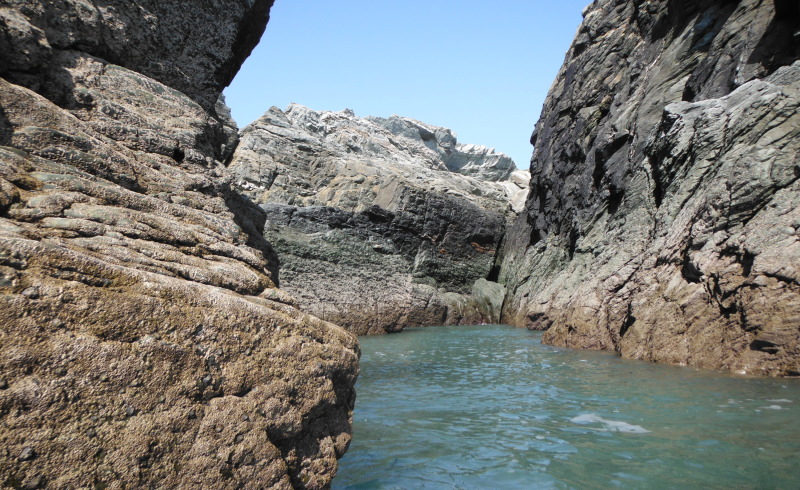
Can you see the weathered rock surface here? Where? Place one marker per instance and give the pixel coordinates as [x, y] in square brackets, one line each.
[663, 215]
[193, 50]
[144, 341]
[379, 223]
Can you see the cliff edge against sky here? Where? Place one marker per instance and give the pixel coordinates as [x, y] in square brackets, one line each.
[663, 215]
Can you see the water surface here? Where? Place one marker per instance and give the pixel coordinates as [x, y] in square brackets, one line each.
[491, 407]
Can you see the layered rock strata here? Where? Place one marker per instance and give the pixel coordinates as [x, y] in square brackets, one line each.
[144, 342]
[663, 215]
[379, 223]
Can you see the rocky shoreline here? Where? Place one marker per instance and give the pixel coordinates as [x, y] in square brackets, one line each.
[662, 220]
[145, 341]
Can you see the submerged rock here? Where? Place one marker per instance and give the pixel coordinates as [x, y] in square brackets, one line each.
[664, 197]
[379, 223]
[144, 342]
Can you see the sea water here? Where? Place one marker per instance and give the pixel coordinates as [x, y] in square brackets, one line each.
[491, 407]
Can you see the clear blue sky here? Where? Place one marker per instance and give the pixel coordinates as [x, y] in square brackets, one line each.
[479, 68]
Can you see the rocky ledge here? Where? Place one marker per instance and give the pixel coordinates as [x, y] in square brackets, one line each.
[380, 223]
[144, 342]
[664, 209]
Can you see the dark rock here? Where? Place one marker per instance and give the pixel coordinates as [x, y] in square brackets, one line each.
[196, 51]
[664, 198]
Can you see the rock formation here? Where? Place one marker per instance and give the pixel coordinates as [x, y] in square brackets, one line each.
[663, 215]
[379, 223]
[144, 342]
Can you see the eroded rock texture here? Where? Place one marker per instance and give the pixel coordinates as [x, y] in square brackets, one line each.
[194, 50]
[379, 223]
[663, 215]
[144, 342]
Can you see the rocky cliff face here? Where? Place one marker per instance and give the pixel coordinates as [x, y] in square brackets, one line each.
[144, 343]
[663, 215]
[379, 223]
[193, 50]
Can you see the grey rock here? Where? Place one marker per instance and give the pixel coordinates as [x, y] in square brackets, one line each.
[27, 454]
[376, 219]
[196, 50]
[488, 297]
[662, 211]
[229, 128]
[469, 159]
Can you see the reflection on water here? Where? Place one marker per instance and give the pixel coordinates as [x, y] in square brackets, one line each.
[490, 407]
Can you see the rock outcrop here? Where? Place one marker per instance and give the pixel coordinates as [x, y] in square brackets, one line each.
[144, 341]
[379, 223]
[663, 216]
[193, 50]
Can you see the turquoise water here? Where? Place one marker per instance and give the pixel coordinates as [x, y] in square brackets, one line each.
[491, 407]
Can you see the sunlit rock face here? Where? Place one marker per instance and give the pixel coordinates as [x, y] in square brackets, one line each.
[663, 213]
[144, 341]
[380, 223]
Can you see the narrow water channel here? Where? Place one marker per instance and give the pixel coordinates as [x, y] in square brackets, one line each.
[491, 407]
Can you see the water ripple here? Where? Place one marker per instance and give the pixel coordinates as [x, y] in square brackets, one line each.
[490, 407]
